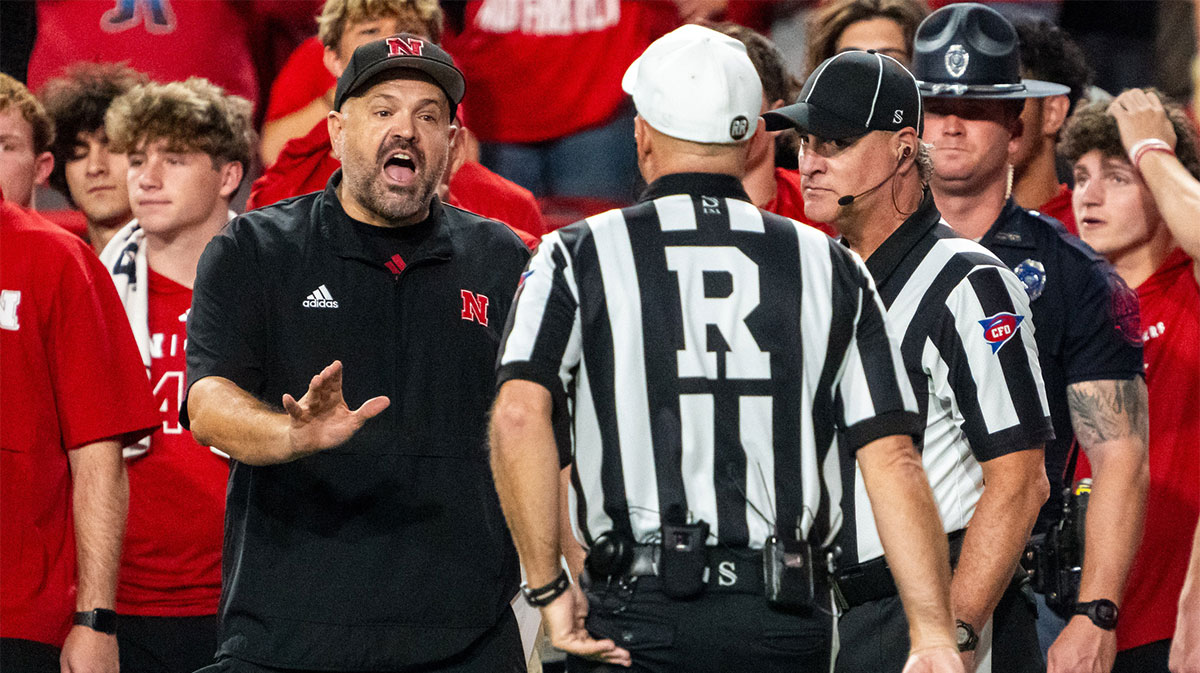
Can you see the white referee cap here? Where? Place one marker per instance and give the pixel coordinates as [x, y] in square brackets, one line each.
[698, 85]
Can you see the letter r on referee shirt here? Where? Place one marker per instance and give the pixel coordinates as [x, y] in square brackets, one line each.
[703, 306]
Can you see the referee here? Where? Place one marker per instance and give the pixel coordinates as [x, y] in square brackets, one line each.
[965, 339]
[718, 366]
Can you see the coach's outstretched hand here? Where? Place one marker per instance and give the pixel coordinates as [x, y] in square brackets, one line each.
[321, 420]
[565, 622]
[934, 660]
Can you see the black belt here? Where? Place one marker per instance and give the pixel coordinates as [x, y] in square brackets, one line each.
[730, 569]
[872, 580]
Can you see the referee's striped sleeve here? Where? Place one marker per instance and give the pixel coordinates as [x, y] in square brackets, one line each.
[541, 341]
[876, 397]
[996, 381]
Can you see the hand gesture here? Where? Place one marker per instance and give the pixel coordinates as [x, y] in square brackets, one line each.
[321, 420]
[1140, 116]
[88, 651]
[565, 623]
[945, 659]
[1082, 647]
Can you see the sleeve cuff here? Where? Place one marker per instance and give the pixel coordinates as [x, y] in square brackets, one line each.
[1011, 440]
[884, 425]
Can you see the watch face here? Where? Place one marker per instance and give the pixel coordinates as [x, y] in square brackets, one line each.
[1106, 613]
[963, 636]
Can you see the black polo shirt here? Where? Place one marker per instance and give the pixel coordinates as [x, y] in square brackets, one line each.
[390, 550]
[1085, 315]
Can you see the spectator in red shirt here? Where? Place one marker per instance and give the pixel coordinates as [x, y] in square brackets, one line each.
[305, 163]
[74, 393]
[547, 104]
[85, 171]
[188, 146]
[770, 186]
[1136, 197]
[26, 132]
[1047, 54]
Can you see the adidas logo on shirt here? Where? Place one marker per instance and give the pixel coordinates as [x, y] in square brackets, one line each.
[320, 298]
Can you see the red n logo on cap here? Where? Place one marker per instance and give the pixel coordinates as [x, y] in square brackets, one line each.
[398, 46]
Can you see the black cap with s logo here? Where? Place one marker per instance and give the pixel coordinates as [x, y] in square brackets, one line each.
[850, 94]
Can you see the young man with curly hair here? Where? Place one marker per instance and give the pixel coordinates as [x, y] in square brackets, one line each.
[1136, 196]
[85, 171]
[188, 145]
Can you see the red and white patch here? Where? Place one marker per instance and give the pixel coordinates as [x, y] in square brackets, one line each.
[405, 46]
[475, 307]
[999, 328]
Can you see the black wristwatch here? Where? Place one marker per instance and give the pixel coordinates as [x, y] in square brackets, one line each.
[1103, 613]
[104, 621]
[966, 636]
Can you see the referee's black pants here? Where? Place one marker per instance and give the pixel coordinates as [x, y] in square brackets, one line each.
[874, 636]
[719, 632]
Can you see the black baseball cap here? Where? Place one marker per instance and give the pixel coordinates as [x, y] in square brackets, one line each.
[850, 94]
[401, 52]
[968, 50]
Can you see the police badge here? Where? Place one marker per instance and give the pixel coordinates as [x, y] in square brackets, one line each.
[1033, 275]
[956, 60]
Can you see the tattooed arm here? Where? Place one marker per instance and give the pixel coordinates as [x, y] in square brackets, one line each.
[1110, 419]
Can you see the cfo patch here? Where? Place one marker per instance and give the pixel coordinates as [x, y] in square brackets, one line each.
[999, 328]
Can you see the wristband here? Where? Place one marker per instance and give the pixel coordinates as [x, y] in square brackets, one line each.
[543, 596]
[1140, 148]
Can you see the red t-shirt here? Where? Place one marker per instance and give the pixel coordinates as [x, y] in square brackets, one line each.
[302, 79]
[171, 561]
[789, 200]
[1170, 310]
[305, 164]
[543, 70]
[166, 39]
[1060, 209]
[71, 376]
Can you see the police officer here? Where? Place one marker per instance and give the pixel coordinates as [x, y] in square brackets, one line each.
[968, 65]
[959, 314]
[716, 367]
[362, 527]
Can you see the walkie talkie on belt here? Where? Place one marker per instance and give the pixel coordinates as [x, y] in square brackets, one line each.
[683, 558]
[788, 570]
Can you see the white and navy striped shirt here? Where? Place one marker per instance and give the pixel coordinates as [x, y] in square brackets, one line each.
[967, 340]
[710, 356]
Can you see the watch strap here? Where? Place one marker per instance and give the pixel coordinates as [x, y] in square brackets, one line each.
[100, 619]
[1102, 612]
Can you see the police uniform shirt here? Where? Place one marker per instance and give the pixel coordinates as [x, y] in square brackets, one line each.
[968, 345]
[389, 550]
[709, 354]
[1086, 319]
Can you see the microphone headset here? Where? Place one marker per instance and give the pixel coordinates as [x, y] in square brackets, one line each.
[849, 198]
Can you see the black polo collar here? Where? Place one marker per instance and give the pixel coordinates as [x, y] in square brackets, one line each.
[718, 185]
[337, 227]
[883, 262]
[1011, 229]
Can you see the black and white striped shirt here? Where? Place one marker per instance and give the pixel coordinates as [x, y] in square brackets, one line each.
[709, 355]
[967, 340]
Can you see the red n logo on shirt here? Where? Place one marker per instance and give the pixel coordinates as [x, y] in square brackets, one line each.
[475, 307]
[398, 46]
